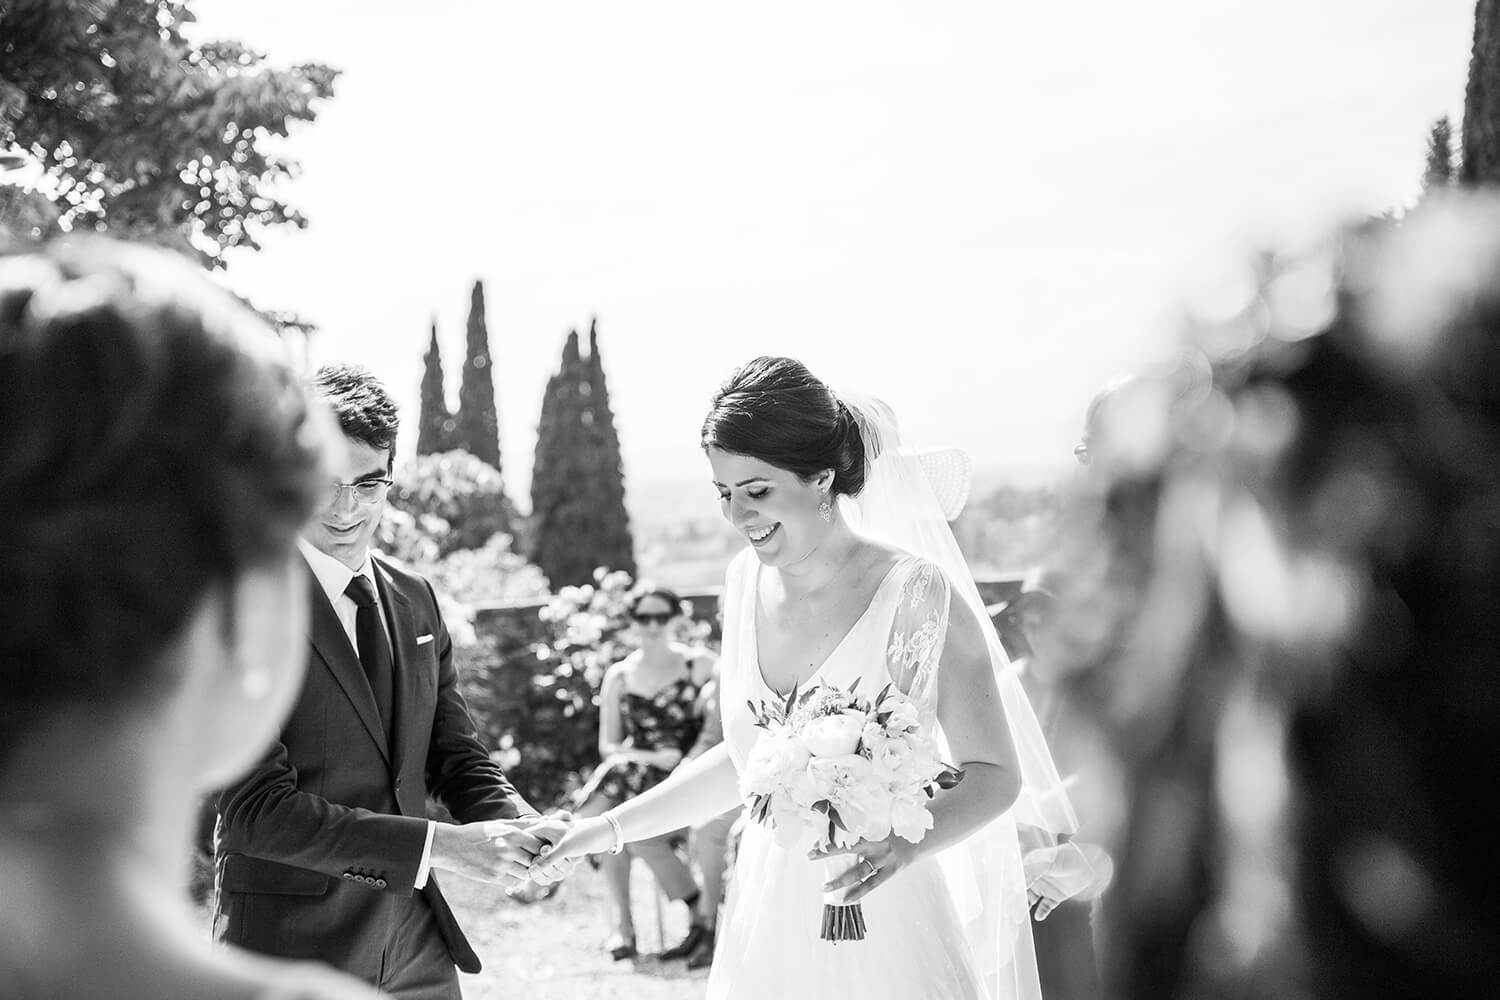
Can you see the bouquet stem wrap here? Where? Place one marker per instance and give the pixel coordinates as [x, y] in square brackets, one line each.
[841, 921]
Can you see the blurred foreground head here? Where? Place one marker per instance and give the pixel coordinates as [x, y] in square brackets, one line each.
[1285, 609]
[156, 462]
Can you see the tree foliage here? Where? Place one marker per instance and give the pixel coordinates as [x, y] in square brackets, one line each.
[478, 425]
[578, 516]
[1481, 132]
[142, 132]
[435, 425]
[454, 500]
[1439, 173]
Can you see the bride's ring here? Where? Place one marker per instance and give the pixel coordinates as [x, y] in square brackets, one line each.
[873, 870]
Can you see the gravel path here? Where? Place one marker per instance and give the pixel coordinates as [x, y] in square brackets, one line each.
[554, 949]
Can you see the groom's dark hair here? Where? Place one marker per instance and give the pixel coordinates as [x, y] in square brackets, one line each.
[365, 410]
[151, 445]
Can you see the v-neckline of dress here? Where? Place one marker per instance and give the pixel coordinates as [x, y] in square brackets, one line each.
[754, 597]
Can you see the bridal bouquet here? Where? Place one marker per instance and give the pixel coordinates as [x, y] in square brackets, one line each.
[833, 769]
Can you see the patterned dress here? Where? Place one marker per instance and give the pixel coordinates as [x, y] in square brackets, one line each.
[666, 719]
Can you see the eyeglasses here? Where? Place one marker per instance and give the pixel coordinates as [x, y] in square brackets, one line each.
[1081, 452]
[653, 617]
[366, 491]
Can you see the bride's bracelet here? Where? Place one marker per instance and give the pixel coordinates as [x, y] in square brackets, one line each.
[614, 824]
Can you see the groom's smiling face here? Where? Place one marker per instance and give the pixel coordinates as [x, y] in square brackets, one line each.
[344, 527]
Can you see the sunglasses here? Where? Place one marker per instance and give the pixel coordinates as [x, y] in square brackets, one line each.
[653, 617]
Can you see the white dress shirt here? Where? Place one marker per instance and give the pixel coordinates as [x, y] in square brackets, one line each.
[333, 576]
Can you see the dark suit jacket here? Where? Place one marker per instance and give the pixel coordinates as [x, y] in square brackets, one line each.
[332, 822]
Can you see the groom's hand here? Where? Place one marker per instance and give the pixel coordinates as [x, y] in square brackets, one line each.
[550, 830]
[491, 851]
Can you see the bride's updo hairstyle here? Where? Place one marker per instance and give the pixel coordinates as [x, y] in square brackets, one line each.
[775, 410]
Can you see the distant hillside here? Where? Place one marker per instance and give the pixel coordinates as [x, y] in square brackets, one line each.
[662, 501]
[682, 541]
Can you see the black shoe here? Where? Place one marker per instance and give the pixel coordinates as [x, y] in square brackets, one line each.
[686, 946]
[621, 947]
[703, 955]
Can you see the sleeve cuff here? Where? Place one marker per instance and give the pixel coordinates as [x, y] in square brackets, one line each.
[424, 868]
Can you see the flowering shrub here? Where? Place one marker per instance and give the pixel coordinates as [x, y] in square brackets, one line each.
[531, 678]
[588, 625]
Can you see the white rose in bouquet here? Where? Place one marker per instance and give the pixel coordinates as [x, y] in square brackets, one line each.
[910, 819]
[904, 716]
[859, 800]
[774, 761]
[891, 757]
[834, 735]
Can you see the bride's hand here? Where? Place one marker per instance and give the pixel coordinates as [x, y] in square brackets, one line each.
[586, 836]
[875, 862]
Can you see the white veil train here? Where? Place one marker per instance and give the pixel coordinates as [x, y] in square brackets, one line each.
[908, 500]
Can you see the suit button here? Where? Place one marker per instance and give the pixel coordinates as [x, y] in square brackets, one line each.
[380, 883]
[398, 784]
[349, 875]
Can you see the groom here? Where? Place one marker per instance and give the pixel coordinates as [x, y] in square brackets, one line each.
[324, 850]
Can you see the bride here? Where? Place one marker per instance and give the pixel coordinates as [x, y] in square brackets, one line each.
[834, 589]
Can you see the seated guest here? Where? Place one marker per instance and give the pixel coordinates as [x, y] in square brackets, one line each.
[647, 722]
[156, 463]
[709, 840]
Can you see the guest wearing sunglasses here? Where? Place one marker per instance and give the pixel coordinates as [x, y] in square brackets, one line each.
[647, 722]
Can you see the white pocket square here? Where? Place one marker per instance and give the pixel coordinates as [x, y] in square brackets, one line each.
[424, 639]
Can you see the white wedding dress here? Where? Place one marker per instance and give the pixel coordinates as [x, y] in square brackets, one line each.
[915, 945]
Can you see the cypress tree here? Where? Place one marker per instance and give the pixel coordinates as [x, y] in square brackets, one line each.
[1439, 172]
[578, 519]
[1481, 133]
[435, 423]
[478, 427]
[614, 540]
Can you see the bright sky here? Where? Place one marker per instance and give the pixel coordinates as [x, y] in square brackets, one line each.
[979, 211]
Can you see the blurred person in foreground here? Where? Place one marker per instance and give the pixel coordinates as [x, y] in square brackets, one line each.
[157, 460]
[648, 720]
[325, 850]
[1065, 876]
[1282, 611]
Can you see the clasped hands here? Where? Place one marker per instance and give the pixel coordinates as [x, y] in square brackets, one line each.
[503, 850]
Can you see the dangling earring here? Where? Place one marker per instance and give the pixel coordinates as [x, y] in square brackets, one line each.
[825, 509]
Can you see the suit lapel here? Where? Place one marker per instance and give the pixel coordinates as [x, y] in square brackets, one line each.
[402, 625]
[331, 643]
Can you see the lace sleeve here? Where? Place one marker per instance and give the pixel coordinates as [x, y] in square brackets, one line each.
[918, 629]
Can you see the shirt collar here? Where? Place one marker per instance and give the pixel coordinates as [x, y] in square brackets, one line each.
[332, 575]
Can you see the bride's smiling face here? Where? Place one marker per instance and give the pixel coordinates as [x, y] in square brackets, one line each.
[773, 508]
